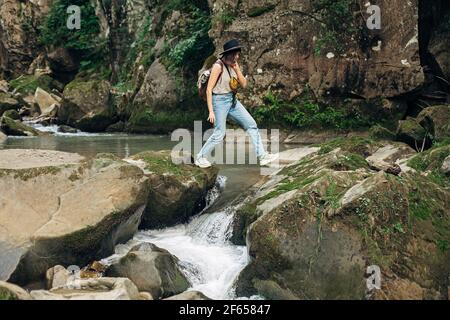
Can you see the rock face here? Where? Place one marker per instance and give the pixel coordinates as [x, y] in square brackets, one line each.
[18, 40]
[152, 269]
[285, 49]
[87, 105]
[178, 191]
[93, 289]
[314, 227]
[3, 137]
[59, 208]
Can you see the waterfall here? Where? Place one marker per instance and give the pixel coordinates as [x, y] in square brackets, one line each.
[207, 258]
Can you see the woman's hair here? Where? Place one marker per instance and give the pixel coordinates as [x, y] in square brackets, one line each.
[230, 55]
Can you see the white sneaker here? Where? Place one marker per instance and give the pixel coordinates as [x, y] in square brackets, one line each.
[202, 162]
[268, 158]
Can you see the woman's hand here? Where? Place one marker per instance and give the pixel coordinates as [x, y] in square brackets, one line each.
[235, 66]
[211, 117]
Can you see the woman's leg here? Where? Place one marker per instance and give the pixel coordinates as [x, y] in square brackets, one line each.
[246, 121]
[221, 105]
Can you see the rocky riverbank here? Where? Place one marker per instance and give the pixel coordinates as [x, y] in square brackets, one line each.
[314, 227]
[60, 208]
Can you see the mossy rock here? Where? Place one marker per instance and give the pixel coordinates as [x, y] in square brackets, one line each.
[87, 105]
[177, 191]
[379, 132]
[313, 231]
[357, 145]
[16, 128]
[412, 133]
[13, 114]
[436, 121]
[431, 162]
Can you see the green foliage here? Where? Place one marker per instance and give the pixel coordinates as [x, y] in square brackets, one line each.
[28, 83]
[305, 113]
[85, 42]
[337, 23]
[225, 17]
[55, 32]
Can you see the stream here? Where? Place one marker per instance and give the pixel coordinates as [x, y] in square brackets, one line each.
[206, 257]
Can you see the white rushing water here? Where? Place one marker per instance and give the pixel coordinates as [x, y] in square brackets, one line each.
[207, 258]
[54, 129]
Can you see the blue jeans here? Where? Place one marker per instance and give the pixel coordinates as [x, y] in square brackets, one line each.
[222, 108]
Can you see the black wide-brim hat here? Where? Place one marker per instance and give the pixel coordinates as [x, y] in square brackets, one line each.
[232, 45]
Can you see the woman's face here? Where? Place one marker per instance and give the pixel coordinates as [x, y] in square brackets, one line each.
[233, 57]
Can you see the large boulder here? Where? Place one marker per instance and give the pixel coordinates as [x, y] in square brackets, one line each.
[16, 128]
[178, 191]
[436, 121]
[93, 289]
[9, 291]
[60, 208]
[152, 269]
[87, 105]
[314, 227]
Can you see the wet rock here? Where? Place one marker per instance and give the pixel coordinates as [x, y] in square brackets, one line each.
[92, 289]
[189, 295]
[57, 276]
[16, 128]
[152, 269]
[177, 191]
[9, 291]
[66, 129]
[43, 221]
[116, 127]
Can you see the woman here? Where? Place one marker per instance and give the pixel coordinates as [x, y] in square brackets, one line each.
[222, 103]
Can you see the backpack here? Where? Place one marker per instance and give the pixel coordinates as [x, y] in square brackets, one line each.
[203, 79]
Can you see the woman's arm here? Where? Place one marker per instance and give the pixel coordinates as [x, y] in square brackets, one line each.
[215, 73]
[242, 80]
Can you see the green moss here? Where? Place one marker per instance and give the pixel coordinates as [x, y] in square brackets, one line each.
[27, 84]
[431, 161]
[379, 132]
[30, 173]
[258, 11]
[6, 295]
[357, 145]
